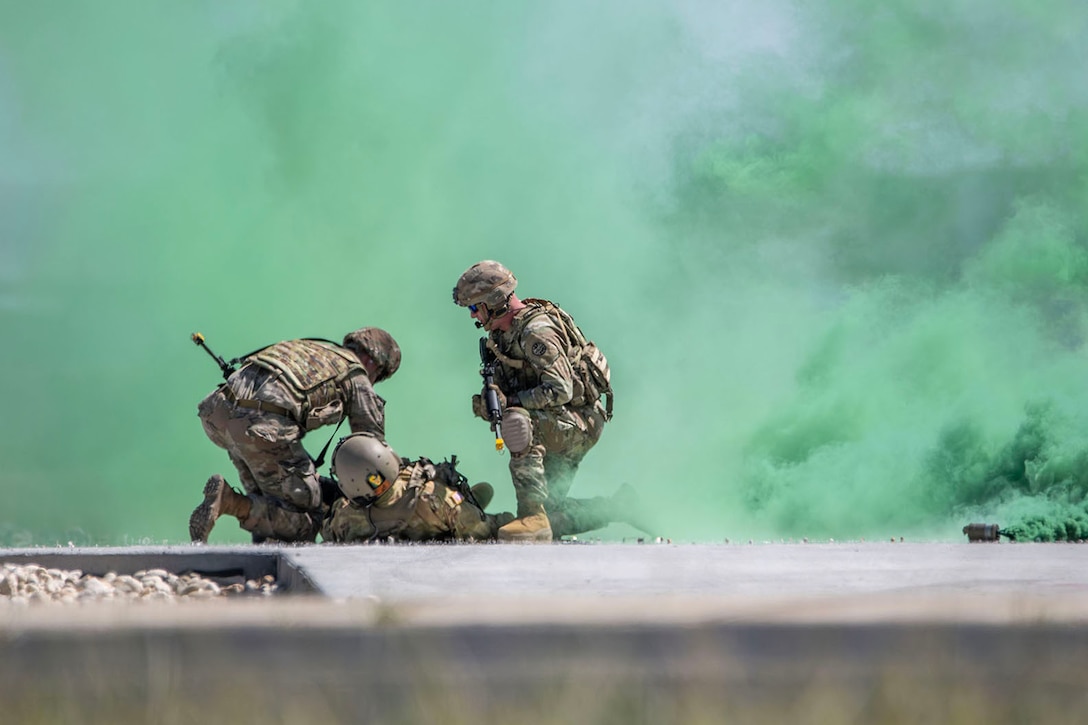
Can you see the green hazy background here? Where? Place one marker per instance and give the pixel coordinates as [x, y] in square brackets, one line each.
[836, 252]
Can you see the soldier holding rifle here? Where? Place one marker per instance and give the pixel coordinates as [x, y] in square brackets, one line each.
[548, 398]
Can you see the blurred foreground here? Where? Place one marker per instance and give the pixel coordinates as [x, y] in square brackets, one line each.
[864, 633]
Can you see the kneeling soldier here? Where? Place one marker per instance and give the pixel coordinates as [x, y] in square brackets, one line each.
[261, 414]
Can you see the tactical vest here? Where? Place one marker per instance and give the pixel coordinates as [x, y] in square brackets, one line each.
[592, 376]
[312, 369]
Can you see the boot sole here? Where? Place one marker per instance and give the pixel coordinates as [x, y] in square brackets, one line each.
[201, 521]
[537, 537]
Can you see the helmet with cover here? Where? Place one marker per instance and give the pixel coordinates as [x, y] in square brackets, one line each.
[488, 282]
[364, 466]
[380, 346]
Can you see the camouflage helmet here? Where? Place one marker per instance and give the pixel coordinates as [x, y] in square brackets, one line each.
[380, 346]
[364, 466]
[488, 282]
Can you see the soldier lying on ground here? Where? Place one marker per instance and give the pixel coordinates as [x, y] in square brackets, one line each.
[385, 496]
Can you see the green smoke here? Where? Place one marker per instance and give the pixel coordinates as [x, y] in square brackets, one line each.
[835, 254]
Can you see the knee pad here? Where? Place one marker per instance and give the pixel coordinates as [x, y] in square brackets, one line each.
[302, 491]
[516, 430]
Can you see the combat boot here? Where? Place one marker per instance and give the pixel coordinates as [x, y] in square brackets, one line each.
[219, 499]
[483, 492]
[532, 526]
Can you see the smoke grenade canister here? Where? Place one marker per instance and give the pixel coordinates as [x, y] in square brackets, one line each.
[982, 532]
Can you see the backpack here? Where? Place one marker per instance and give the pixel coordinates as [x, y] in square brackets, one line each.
[589, 363]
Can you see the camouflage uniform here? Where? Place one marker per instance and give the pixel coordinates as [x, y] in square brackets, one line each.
[547, 363]
[260, 415]
[426, 502]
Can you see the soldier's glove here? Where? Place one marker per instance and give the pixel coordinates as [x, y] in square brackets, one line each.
[479, 403]
[479, 409]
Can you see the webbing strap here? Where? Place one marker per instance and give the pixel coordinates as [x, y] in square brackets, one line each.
[321, 456]
[258, 405]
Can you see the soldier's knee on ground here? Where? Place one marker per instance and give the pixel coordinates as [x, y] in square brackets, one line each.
[276, 519]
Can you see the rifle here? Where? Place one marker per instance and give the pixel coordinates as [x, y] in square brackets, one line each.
[491, 398]
[447, 471]
[226, 368]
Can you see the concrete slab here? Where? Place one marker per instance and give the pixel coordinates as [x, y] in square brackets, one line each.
[781, 583]
[867, 632]
[768, 570]
[984, 582]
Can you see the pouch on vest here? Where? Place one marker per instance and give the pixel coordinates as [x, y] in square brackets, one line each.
[596, 375]
[327, 414]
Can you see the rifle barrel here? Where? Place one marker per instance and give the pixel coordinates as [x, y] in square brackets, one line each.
[224, 367]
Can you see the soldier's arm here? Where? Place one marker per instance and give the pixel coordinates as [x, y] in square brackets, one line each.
[544, 351]
[366, 409]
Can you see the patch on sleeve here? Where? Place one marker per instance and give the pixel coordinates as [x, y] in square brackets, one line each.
[541, 347]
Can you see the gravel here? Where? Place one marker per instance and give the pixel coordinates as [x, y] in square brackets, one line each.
[29, 584]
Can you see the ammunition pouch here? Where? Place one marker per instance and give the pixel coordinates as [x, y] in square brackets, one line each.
[592, 368]
[327, 414]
